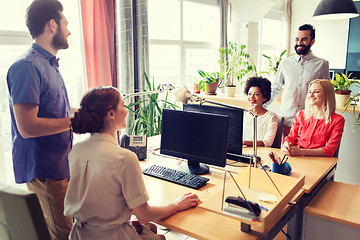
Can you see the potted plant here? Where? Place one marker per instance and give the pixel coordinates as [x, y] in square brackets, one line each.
[195, 86]
[235, 64]
[274, 63]
[355, 101]
[147, 112]
[209, 82]
[342, 85]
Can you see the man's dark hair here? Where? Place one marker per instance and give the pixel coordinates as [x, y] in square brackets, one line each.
[310, 28]
[39, 13]
[263, 83]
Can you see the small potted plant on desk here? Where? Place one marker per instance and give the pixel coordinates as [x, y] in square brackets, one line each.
[209, 82]
[355, 102]
[342, 85]
[235, 65]
[195, 86]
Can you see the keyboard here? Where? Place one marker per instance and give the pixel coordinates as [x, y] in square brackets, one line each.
[244, 158]
[176, 176]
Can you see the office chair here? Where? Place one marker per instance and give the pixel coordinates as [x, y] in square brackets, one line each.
[21, 216]
[277, 139]
[336, 154]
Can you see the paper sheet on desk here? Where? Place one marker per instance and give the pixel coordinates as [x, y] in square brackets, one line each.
[268, 198]
[153, 143]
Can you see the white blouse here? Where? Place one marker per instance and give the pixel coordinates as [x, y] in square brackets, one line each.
[105, 184]
[266, 127]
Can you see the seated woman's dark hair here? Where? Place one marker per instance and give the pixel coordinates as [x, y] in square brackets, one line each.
[263, 83]
[95, 104]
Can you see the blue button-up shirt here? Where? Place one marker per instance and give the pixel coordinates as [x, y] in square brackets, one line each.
[35, 79]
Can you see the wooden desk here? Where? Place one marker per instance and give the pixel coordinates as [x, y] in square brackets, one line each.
[338, 202]
[203, 224]
[198, 222]
[313, 168]
[333, 213]
[317, 171]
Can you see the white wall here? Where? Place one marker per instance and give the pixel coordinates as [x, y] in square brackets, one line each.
[331, 35]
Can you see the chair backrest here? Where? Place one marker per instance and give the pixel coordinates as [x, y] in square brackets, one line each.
[21, 216]
[278, 136]
[336, 154]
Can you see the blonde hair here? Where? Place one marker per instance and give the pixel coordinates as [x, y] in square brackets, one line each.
[328, 106]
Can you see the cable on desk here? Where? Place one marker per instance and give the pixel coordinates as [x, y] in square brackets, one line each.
[235, 164]
[165, 156]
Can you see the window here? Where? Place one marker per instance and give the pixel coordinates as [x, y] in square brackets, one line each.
[184, 36]
[14, 41]
[272, 37]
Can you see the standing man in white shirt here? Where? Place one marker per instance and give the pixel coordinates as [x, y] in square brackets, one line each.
[295, 73]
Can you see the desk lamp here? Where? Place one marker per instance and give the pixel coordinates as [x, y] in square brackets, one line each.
[184, 95]
[164, 87]
[140, 147]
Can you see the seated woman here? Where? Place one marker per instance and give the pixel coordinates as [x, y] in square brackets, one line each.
[106, 185]
[317, 130]
[258, 91]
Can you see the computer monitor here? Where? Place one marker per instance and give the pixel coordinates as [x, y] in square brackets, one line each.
[236, 118]
[198, 137]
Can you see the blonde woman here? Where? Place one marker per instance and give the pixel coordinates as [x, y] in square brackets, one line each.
[317, 130]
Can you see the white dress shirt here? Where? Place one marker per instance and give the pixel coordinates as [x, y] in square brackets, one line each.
[295, 73]
[266, 127]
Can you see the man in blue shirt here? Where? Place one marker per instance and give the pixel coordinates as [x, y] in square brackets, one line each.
[40, 114]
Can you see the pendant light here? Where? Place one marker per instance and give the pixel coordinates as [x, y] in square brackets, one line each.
[335, 9]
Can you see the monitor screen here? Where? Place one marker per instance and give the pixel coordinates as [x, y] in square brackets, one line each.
[197, 137]
[236, 118]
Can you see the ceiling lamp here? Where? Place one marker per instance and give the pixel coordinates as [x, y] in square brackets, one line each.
[335, 9]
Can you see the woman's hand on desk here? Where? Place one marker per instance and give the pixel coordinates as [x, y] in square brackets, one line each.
[186, 201]
[288, 149]
[146, 213]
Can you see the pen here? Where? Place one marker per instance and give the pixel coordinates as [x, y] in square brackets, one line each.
[271, 158]
[282, 160]
[274, 158]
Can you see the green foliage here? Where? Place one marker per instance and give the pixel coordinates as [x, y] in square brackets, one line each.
[355, 98]
[342, 82]
[148, 114]
[207, 78]
[235, 63]
[274, 62]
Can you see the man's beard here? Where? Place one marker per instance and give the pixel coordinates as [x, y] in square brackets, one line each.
[59, 41]
[304, 50]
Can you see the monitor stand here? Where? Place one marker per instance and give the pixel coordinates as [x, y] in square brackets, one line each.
[194, 167]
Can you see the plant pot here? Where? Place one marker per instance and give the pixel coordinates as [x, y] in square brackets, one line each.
[341, 98]
[195, 88]
[230, 91]
[212, 87]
